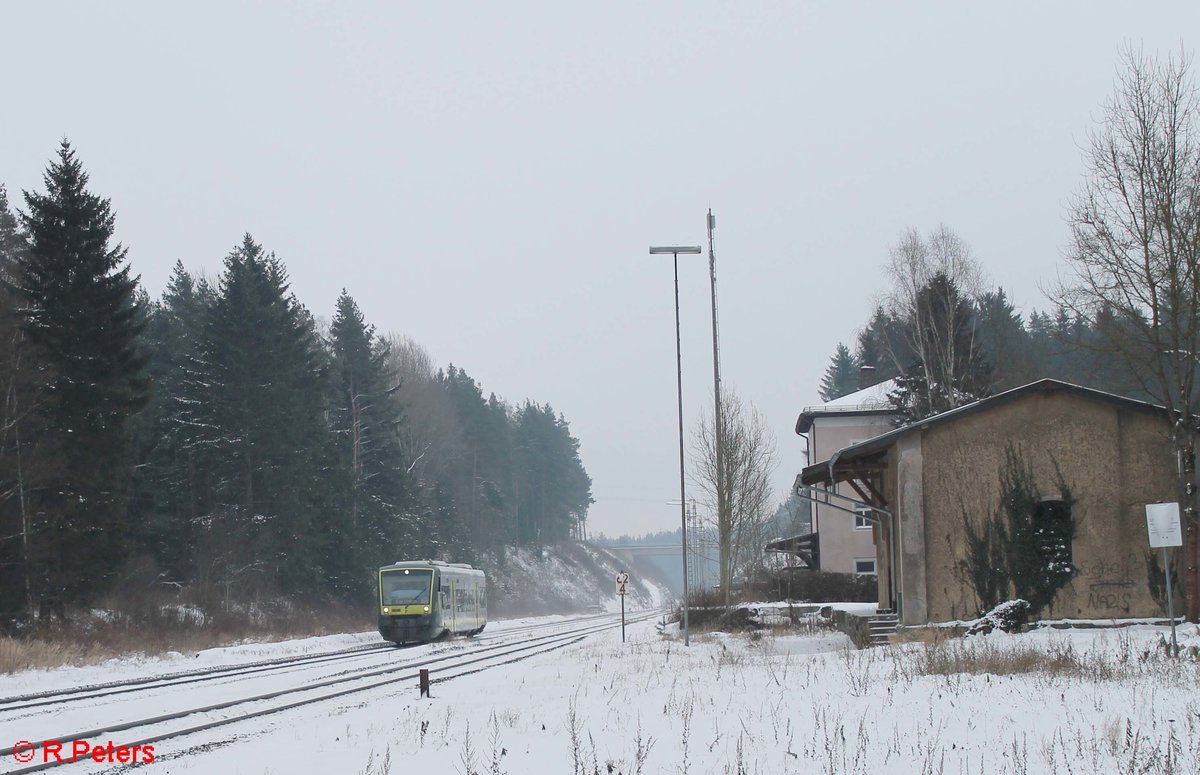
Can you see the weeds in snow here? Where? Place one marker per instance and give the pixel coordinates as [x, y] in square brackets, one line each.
[385, 764]
[574, 737]
[686, 716]
[984, 706]
[1055, 659]
[856, 669]
[641, 749]
[466, 755]
[498, 751]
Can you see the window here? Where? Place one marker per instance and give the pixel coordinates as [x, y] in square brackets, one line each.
[864, 567]
[408, 586]
[862, 519]
[1054, 533]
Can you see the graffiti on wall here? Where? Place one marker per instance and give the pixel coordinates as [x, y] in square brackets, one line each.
[1110, 584]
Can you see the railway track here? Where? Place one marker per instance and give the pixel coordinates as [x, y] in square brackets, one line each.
[38, 699]
[442, 666]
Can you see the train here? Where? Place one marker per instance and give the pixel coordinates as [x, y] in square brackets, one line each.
[426, 600]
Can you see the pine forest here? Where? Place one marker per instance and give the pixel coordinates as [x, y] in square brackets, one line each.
[219, 441]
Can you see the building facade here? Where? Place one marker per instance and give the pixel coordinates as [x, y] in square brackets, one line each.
[933, 478]
[846, 541]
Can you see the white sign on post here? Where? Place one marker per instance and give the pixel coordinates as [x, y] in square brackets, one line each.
[622, 582]
[1162, 523]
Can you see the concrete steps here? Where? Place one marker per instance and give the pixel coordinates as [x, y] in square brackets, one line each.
[882, 626]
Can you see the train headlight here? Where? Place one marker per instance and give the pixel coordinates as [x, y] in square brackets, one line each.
[426, 609]
[386, 611]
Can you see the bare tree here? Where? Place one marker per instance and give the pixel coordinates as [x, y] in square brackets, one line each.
[748, 460]
[1135, 250]
[430, 436]
[934, 280]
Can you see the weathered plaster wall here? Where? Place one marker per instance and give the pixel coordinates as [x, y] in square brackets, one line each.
[841, 541]
[911, 515]
[1114, 459]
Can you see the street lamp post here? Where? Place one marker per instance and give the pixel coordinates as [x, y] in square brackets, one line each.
[675, 250]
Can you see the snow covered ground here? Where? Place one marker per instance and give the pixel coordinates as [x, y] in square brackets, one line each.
[1099, 701]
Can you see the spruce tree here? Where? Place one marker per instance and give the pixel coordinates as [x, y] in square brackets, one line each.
[554, 491]
[841, 376]
[78, 310]
[170, 478]
[376, 517]
[881, 344]
[12, 240]
[1004, 343]
[255, 419]
[480, 477]
[20, 388]
[954, 372]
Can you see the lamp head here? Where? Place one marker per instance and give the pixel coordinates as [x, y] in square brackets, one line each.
[657, 249]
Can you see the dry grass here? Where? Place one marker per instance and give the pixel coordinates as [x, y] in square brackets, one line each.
[976, 658]
[89, 637]
[932, 636]
[1056, 659]
[34, 653]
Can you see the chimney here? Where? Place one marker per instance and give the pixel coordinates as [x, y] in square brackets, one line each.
[866, 377]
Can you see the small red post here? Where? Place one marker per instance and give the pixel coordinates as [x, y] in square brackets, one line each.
[424, 683]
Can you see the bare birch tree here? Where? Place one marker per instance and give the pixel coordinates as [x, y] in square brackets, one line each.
[934, 338]
[748, 459]
[1135, 250]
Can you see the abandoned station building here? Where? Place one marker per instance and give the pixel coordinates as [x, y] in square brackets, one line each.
[926, 482]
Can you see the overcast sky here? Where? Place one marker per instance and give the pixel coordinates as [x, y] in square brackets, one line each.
[486, 177]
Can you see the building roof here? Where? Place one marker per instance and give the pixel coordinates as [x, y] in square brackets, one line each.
[870, 400]
[820, 472]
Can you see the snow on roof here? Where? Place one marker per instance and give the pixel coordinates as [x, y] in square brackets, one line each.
[874, 397]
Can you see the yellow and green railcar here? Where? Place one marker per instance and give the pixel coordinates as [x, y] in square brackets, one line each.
[423, 600]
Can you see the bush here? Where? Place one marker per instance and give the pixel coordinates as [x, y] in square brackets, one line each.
[721, 619]
[801, 584]
[1009, 617]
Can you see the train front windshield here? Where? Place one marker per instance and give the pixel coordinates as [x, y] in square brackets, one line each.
[410, 586]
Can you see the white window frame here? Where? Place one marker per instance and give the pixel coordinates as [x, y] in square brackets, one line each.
[874, 568]
[861, 522]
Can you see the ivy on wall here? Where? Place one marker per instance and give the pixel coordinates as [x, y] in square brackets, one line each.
[1022, 550]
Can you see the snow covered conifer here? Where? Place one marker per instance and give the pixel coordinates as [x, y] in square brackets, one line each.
[841, 375]
[256, 423]
[78, 309]
[364, 419]
[170, 476]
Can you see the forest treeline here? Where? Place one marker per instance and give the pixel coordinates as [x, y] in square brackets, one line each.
[955, 347]
[220, 441]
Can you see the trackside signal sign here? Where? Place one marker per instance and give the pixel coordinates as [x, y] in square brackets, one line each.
[622, 583]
